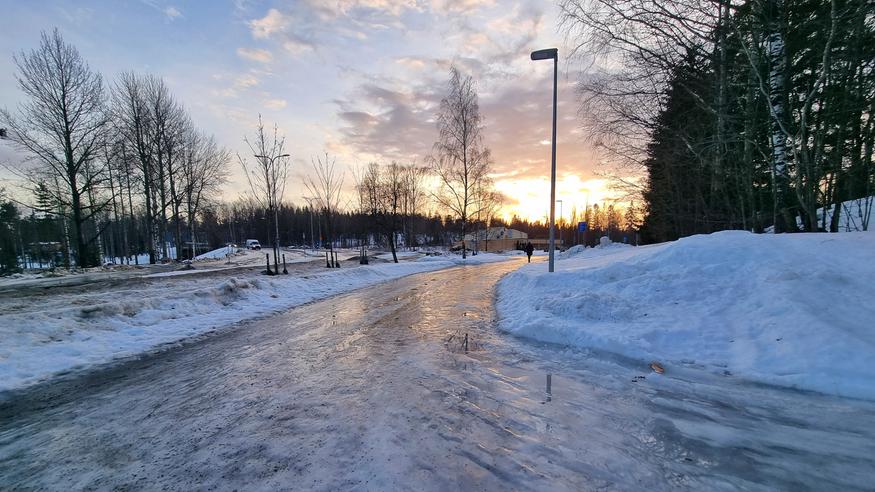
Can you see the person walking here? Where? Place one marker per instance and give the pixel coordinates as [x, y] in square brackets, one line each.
[529, 250]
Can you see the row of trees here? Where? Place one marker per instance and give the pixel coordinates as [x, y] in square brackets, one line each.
[740, 113]
[123, 163]
[392, 196]
[119, 170]
[220, 223]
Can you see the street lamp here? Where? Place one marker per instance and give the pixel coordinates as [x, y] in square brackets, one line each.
[271, 188]
[547, 54]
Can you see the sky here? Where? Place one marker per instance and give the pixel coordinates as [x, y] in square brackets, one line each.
[358, 79]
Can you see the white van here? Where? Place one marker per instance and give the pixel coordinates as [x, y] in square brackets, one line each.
[252, 244]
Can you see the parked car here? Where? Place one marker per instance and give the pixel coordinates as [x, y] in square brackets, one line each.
[253, 244]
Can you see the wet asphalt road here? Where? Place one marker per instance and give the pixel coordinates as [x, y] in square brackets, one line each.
[374, 390]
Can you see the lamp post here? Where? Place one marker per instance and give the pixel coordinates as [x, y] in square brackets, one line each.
[271, 201]
[548, 54]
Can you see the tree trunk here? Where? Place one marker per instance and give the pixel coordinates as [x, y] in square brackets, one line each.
[464, 245]
[777, 54]
[391, 237]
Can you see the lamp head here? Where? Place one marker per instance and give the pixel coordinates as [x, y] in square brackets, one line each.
[547, 54]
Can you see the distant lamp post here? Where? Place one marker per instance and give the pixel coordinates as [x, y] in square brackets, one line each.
[552, 54]
[276, 222]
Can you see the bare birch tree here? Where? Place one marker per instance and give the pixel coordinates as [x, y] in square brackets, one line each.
[382, 193]
[268, 174]
[324, 185]
[203, 171]
[461, 160]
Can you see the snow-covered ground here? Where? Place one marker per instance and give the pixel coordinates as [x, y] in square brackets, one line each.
[792, 309]
[212, 261]
[399, 254]
[373, 390]
[41, 335]
[855, 216]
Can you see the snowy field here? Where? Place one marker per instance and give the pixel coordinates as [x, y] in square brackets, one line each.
[46, 334]
[792, 310]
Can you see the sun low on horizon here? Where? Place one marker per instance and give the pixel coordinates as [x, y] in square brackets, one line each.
[528, 198]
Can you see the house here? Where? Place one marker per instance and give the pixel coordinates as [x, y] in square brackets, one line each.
[493, 239]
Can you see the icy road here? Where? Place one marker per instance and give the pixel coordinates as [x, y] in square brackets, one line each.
[374, 390]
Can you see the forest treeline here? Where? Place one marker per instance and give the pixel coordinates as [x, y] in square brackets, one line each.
[31, 240]
[741, 114]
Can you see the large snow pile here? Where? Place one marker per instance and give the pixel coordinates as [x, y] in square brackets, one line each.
[219, 253]
[40, 337]
[791, 309]
[580, 249]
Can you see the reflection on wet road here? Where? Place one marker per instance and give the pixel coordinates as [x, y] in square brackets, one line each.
[376, 390]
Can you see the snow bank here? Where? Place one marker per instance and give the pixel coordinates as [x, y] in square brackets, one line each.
[219, 253]
[57, 335]
[790, 309]
[581, 249]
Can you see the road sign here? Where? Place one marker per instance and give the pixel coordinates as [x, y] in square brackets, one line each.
[581, 227]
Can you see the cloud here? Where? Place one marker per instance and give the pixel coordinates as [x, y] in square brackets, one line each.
[297, 47]
[373, 13]
[413, 62]
[392, 119]
[237, 84]
[261, 56]
[306, 25]
[382, 122]
[274, 103]
[285, 30]
[273, 22]
[172, 12]
[449, 7]
[246, 81]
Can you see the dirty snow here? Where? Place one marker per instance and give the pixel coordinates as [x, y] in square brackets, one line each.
[793, 310]
[56, 333]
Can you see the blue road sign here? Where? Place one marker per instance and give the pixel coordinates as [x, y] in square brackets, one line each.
[581, 227]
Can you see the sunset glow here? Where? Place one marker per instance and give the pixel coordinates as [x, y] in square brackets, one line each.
[352, 87]
[528, 198]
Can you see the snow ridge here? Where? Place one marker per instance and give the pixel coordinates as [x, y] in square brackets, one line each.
[791, 309]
